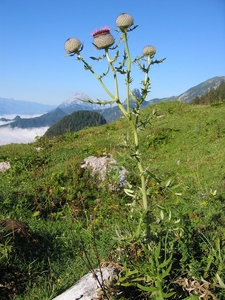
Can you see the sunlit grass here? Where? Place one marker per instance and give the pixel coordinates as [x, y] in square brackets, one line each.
[183, 146]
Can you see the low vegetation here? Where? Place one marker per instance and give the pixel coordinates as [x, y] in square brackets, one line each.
[61, 224]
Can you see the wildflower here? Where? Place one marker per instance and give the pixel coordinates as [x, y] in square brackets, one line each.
[72, 45]
[149, 51]
[103, 38]
[124, 21]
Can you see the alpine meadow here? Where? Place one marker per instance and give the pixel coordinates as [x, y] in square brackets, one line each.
[163, 231]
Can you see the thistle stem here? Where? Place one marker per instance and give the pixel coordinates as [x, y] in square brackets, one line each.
[128, 80]
[116, 98]
[88, 67]
[134, 124]
[142, 174]
[132, 118]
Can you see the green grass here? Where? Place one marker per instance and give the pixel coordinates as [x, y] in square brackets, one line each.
[182, 145]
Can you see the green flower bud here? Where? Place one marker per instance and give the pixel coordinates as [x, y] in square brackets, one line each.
[124, 21]
[103, 38]
[72, 45]
[149, 51]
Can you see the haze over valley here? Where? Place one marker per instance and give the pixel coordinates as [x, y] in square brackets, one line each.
[18, 135]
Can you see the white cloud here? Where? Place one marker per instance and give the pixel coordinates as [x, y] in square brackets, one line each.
[19, 135]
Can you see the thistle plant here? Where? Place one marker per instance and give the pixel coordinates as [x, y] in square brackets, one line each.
[122, 65]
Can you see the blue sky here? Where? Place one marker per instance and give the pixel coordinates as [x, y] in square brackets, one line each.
[33, 66]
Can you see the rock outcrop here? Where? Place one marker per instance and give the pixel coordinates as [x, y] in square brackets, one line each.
[88, 286]
[101, 166]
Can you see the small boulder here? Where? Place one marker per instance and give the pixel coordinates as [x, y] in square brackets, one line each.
[4, 166]
[101, 166]
[88, 286]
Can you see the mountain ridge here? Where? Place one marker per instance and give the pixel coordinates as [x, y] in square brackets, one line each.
[75, 103]
[191, 93]
[47, 119]
[12, 106]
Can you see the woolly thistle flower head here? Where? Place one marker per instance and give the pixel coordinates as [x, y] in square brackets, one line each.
[149, 51]
[103, 38]
[124, 21]
[72, 45]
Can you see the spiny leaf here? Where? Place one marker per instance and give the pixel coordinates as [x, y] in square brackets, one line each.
[147, 288]
[168, 295]
[129, 192]
[115, 57]
[132, 28]
[98, 58]
[167, 272]
[157, 61]
[120, 70]
[104, 74]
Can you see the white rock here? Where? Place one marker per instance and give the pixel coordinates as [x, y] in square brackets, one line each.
[87, 287]
[4, 166]
[101, 165]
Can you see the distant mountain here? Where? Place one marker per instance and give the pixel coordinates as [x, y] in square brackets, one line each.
[75, 122]
[113, 113]
[77, 102]
[11, 106]
[193, 92]
[47, 119]
[201, 89]
[9, 120]
[215, 96]
[155, 100]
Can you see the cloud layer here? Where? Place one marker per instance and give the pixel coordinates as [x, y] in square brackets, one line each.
[19, 135]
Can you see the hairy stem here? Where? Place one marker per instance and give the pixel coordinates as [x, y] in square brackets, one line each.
[134, 126]
[128, 80]
[133, 123]
[88, 67]
[142, 176]
[116, 98]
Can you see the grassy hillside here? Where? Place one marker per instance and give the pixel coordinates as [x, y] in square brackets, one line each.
[70, 218]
